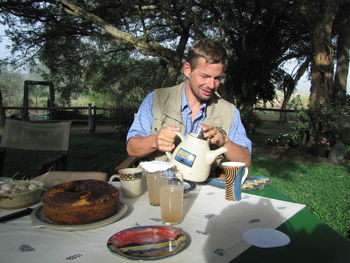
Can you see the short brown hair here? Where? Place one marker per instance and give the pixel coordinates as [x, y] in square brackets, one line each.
[211, 50]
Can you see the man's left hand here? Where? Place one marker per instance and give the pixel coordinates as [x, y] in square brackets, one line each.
[214, 135]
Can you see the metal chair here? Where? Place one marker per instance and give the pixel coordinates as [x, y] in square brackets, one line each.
[129, 162]
[49, 137]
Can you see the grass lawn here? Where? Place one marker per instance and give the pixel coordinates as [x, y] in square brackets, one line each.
[324, 189]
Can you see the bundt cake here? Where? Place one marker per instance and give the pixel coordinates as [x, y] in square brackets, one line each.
[80, 202]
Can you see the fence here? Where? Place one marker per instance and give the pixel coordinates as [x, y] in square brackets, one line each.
[54, 113]
[270, 114]
[57, 113]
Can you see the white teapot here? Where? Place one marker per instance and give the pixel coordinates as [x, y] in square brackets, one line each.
[193, 157]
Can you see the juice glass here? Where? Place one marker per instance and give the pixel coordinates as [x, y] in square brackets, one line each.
[153, 183]
[171, 198]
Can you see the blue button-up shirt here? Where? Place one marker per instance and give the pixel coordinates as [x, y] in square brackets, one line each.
[142, 125]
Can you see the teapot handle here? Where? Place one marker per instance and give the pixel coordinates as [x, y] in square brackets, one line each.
[180, 135]
[168, 154]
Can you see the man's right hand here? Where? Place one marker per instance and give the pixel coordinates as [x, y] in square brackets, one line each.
[165, 138]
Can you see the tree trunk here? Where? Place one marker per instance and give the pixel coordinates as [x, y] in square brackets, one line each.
[343, 47]
[286, 98]
[2, 112]
[173, 69]
[171, 74]
[322, 67]
[320, 16]
[291, 87]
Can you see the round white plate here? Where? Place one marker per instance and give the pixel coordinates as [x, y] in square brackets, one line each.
[40, 220]
[266, 237]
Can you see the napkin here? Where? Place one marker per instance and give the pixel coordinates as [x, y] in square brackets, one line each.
[155, 166]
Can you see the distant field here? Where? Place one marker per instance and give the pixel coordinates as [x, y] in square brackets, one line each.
[277, 102]
[274, 116]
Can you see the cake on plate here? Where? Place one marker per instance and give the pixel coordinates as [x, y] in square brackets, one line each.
[80, 202]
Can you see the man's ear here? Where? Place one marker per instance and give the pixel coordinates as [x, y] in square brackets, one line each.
[186, 68]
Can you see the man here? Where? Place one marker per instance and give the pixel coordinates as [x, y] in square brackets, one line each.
[189, 106]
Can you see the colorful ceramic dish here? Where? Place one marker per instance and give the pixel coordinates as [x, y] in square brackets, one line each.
[148, 242]
[252, 183]
[40, 220]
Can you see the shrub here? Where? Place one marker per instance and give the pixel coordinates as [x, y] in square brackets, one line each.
[320, 127]
[348, 151]
[250, 120]
[283, 140]
[320, 123]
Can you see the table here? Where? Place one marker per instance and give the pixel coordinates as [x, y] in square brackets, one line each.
[312, 239]
[209, 219]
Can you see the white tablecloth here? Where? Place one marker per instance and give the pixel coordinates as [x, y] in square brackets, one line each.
[214, 224]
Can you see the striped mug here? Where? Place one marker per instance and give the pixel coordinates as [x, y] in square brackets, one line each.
[235, 174]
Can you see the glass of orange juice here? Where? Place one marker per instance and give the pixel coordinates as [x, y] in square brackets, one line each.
[171, 198]
[153, 183]
[152, 171]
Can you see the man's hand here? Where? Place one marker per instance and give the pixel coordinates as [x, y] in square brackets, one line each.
[235, 152]
[214, 135]
[165, 138]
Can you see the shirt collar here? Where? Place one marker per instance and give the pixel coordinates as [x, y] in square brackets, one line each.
[184, 101]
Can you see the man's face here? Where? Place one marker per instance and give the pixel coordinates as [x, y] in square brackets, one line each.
[204, 79]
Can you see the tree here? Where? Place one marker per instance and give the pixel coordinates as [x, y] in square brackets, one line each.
[342, 55]
[263, 35]
[51, 27]
[144, 45]
[2, 110]
[38, 91]
[288, 87]
[158, 28]
[320, 17]
[11, 85]
[259, 35]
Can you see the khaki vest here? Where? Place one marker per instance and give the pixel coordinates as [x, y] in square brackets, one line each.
[167, 110]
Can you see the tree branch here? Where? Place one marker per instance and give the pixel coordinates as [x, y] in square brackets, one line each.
[151, 48]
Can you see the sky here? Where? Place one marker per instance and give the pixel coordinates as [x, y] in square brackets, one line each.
[303, 86]
[3, 51]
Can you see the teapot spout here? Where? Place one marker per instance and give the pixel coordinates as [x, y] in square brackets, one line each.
[211, 155]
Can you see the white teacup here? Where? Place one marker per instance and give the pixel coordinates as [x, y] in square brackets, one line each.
[130, 181]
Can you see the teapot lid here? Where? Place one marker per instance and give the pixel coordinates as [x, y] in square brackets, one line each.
[200, 135]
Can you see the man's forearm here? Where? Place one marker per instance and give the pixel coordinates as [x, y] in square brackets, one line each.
[138, 146]
[237, 153]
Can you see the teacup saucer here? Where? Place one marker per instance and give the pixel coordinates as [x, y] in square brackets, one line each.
[189, 186]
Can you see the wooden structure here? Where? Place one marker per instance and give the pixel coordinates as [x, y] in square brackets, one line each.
[51, 101]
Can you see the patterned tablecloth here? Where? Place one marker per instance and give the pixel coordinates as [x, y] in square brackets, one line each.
[214, 224]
